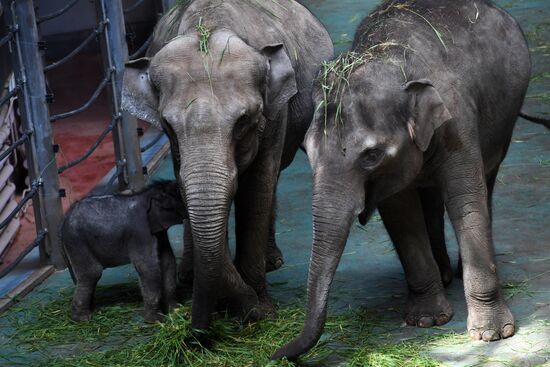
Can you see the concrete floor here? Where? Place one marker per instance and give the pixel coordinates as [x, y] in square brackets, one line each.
[370, 274]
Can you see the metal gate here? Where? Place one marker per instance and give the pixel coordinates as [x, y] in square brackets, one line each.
[23, 44]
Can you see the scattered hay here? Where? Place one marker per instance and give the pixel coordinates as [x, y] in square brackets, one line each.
[512, 289]
[354, 338]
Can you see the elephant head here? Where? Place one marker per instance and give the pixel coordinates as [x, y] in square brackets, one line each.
[214, 97]
[166, 207]
[366, 142]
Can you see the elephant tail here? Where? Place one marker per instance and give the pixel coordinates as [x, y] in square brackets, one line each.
[535, 119]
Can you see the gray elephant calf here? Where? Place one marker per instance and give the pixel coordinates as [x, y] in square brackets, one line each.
[415, 121]
[107, 231]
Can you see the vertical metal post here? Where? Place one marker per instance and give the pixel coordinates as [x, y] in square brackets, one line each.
[115, 54]
[27, 65]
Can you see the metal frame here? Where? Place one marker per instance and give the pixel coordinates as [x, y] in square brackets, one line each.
[115, 55]
[23, 40]
[27, 65]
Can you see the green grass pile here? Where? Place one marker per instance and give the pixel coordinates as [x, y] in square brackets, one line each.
[117, 336]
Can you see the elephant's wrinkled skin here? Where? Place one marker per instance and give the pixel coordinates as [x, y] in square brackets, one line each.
[101, 232]
[230, 82]
[424, 124]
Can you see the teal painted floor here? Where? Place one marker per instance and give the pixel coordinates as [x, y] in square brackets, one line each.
[370, 274]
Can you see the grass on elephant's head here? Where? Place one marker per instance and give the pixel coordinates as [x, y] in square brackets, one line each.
[335, 75]
[204, 36]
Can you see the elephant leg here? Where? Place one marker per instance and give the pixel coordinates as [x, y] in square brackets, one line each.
[168, 268]
[148, 266]
[427, 304]
[491, 180]
[274, 256]
[81, 306]
[253, 218]
[467, 202]
[87, 272]
[185, 269]
[433, 208]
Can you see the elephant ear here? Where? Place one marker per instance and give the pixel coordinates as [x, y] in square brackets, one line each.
[281, 81]
[428, 112]
[138, 94]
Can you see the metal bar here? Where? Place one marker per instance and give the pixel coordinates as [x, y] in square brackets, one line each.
[115, 52]
[133, 7]
[94, 146]
[23, 138]
[86, 105]
[41, 236]
[28, 196]
[57, 13]
[10, 95]
[142, 49]
[27, 65]
[152, 142]
[100, 29]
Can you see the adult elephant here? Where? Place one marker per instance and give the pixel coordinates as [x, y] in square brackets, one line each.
[230, 83]
[416, 120]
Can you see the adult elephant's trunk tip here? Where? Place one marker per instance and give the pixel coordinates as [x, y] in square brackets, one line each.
[301, 345]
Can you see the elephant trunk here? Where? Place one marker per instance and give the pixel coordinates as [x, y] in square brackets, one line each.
[333, 213]
[208, 188]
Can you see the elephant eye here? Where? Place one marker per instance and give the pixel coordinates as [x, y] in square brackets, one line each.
[242, 126]
[371, 157]
[243, 119]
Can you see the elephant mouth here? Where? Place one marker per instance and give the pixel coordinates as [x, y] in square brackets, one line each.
[368, 209]
[365, 215]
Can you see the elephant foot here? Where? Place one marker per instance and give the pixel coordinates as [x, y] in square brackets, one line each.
[79, 315]
[245, 305]
[267, 308]
[274, 257]
[152, 316]
[490, 322]
[169, 306]
[429, 309]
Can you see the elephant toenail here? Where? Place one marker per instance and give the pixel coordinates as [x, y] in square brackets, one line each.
[442, 319]
[490, 335]
[474, 334]
[278, 263]
[508, 330]
[425, 321]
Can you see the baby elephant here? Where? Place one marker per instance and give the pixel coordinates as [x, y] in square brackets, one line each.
[106, 231]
